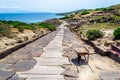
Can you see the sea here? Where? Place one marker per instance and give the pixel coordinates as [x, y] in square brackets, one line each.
[28, 17]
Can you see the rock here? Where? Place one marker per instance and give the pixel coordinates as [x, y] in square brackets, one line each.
[17, 78]
[37, 52]
[25, 38]
[66, 66]
[2, 45]
[4, 75]
[22, 56]
[108, 43]
[70, 73]
[22, 39]
[23, 65]
[70, 78]
[19, 40]
[68, 52]
[8, 41]
[100, 67]
[4, 66]
[118, 43]
[10, 60]
[109, 75]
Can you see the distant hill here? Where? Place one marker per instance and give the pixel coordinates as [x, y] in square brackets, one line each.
[72, 12]
[116, 6]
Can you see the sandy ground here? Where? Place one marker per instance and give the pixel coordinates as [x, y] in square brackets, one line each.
[98, 67]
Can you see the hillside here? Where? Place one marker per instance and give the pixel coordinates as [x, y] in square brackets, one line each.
[109, 15]
[14, 32]
[72, 12]
[85, 12]
[99, 28]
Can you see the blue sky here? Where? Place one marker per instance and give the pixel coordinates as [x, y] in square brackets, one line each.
[53, 5]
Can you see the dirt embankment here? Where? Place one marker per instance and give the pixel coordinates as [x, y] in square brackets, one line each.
[29, 33]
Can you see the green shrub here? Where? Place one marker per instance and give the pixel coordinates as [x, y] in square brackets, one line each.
[48, 26]
[20, 28]
[93, 34]
[117, 33]
[14, 23]
[1, 23]
[28, 27]
[51, 27]
[104, 9]
[66, 17]
[85, 12]
[5, 31]
[107, 9]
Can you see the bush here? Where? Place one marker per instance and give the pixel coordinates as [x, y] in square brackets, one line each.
[104, 9]
[28, 27]
[93, 34]
[117, 33]
[85, 12]
[1, 23]
[66, 17]
[20, 28]
[5, 31]
[14, 23]
[48, 26]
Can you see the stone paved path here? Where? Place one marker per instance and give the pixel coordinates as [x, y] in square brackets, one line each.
[49, 64]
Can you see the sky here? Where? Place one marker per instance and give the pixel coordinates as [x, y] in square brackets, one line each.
[53, 5]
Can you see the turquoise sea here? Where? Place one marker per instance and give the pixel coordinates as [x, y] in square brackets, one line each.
[28, 17]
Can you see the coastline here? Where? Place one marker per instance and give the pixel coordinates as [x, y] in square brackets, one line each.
[32, 17]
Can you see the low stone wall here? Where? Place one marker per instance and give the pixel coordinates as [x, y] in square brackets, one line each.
[102, 52]
[114, 56]
[114, 53]
[116, 48]
[6, 52]
[96, 48]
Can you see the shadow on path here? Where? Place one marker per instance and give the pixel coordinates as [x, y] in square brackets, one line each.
[82, 62]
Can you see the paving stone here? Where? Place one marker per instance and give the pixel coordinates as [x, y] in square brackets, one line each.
[17, 78]
[4, 75]
[46, 70]
[70, 73]
[70, 78]
[109, 75]
[23, 65]
[4, 66]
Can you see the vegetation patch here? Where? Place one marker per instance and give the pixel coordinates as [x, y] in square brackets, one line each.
[117, 33]
[16, 24]
[104, 9]
[5, 31]
[68, 16]
[46, 25]
[85, 12]
[99, 26]
[94, 34]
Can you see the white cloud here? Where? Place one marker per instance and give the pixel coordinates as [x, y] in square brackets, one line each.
[12, 7]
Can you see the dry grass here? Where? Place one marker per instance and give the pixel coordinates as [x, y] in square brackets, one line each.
[99, 26]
